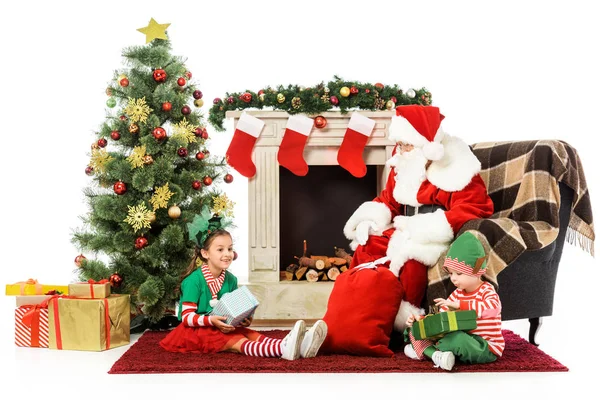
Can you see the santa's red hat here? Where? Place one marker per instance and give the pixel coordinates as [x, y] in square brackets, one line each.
[419, 126]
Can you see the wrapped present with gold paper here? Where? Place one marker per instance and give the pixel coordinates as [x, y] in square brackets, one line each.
[90, 289]
[31, 325]
[31, 287]
[434, 326]
[89, 324]
[31, 300]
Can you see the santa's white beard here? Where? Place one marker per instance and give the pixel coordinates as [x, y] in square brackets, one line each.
[410, 173]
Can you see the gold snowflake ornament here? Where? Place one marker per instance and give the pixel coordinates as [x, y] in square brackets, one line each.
[139, 217]
[99, 160]
[185, 130]
[136, 158]
[222, 205]
[137, 110]
[161, 196]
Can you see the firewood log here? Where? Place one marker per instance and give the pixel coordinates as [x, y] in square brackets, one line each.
[339, 252]
[332, 273]
[290, 271]
[312, 275]
[300, 272]
[343, 268]
[337, 261]
[306, 262]
[321, 262]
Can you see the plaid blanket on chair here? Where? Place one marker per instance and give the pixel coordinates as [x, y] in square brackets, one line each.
[522, 180]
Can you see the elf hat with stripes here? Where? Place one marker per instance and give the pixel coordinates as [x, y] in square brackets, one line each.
[466, 255]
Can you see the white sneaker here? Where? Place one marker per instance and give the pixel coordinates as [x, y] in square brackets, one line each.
[290, 345]
[313, 339]
[410, 352]
[443, 360]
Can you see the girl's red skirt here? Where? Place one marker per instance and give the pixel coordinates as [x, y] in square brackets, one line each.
[203, 339]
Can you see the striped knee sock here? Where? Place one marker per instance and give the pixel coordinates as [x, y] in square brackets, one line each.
[262, 348]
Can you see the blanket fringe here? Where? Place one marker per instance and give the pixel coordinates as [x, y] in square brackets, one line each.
[574, 237]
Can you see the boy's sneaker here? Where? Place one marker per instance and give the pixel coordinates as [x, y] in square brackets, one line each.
[443, 360]
[313, 339]
[409, 351]
[290, 345]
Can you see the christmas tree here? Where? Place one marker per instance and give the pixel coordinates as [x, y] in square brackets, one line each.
[151, 173]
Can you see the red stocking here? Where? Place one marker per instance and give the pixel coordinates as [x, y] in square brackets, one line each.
[290, 151]
[239, 153]
[356, 136]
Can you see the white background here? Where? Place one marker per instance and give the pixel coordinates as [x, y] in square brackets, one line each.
[498, 71]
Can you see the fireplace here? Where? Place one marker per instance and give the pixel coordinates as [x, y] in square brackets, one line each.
[269, 245]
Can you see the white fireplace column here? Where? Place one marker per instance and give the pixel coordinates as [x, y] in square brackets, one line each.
[291, 300]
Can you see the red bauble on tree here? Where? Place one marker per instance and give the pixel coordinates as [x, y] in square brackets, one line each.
[206, 152]
[228, 178]
[120, 187]
[200, 156]
[207, 181]
[320, 122]
[246, 97]
[115, 280]
[353, 90]
[186, 110]
[198, 132]
[334, 100]
[182, 152]
[124, 82]
[115, 135]
[141, 242]
[197, 185]
[197, 94]
[159, 133]
[89, 170]
[102, 142]
[166, 106]
[79, 259]
[159, 75]
[188, 75]
[181, 81]
[230, 100]
[204, 134]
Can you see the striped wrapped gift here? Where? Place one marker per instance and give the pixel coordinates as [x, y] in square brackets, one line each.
[236, 306]
[31, 326]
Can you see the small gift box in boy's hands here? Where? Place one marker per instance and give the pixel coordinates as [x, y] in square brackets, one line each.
[434, 326]
[236, 306]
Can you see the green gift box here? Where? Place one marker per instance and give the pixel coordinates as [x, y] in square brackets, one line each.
[434, 326]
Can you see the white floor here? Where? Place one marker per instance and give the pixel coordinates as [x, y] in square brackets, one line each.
[573, 326]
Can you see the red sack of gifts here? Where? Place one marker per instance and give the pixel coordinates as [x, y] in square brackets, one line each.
[361, 311]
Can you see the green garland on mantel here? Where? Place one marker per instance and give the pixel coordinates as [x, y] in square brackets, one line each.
[336, 94]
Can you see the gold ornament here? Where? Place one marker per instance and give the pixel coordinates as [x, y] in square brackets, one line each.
[137, 110]
[148, 159]
[325, 98]
[261, 97]
[174, 212]
[390, 105]
[198, 102]
[345, 91]
[154, 30]
[99, 160]
[184, 130]
[280, 98]
[326, 90]
[152, 218]
[136, 158]
[108, 91]
[296, 102]
[133, 128]
[139, 217]
[222, 205]
[379, 103]
[121, 77]
[95, 146]
[161, 196]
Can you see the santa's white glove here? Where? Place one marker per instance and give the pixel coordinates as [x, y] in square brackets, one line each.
[363, 230]
[401, 222]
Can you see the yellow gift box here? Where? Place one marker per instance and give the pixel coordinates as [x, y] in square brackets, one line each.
[31, 287]
[89, 324]
[90, 289]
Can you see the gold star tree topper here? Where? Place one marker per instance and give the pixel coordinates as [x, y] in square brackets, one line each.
[154, 30]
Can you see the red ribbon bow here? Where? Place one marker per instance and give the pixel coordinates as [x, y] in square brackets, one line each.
[38, 286]
[92, 282]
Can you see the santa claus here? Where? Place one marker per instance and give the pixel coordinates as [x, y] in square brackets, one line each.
[433, 188]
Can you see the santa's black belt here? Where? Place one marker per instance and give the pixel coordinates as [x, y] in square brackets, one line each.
[427, 208]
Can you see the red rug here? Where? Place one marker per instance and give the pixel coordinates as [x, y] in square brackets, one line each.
[147, 357]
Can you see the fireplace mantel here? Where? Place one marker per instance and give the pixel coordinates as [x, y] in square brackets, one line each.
[283, 300]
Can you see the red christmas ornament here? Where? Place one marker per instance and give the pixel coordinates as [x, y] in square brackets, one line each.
[89, 170]
[198, 132]
[181, 81]
[228, 178]
[115, 135]
[379, 86]
[141, 242]
[353, 90]
[367, 91]
[115, 280]
[159, 75]
[120, 187]
[197, 185]
[200, 156]
[188, 75]
[122, 117]
[102, 142]
[182, 152]
[246, 97]
[261, 92]
[204, 134]
[394, 99]
[124, 82]
[216, 100]
[197, 94]
[79, 259]
[334, 100]
[206, 152]
[166, 106]
[207, 181]
[186, 110]
[230, 99]
[320, 122]
[159, 133]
